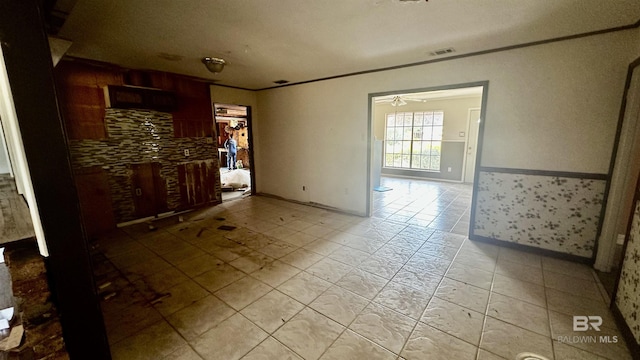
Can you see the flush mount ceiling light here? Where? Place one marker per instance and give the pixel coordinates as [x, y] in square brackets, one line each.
[214, 65]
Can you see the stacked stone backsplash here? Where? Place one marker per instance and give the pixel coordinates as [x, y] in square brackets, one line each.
[140, 136]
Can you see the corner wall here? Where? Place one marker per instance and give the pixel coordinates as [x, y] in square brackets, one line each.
[550, 107]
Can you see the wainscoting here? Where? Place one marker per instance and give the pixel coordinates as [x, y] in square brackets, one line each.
[555, 211]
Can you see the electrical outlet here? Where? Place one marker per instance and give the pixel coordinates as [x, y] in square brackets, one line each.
[449, 169]
[186, 152]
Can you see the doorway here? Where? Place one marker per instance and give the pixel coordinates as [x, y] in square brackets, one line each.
[429, 134]
[233, 125]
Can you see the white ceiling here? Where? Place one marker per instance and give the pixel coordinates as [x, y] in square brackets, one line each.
[301, 40]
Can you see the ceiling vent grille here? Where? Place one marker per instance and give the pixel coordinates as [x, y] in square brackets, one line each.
[442, 52]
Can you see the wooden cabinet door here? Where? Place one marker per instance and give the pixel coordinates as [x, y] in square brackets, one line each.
[94, 195]
[149, 192]
[197, 183]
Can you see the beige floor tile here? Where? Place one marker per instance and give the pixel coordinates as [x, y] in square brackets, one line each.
[309, 333]
[568, 304]
[349, 256]
[427, 342]
[476, 260]
[438, 250]
[185, 352]
[145, 268]
[154, 342]
[380, 266]
[520, 257]
[182, 253]
[200, 317]
[448, 239]
[271, 349]
[304, 287]
[129, 321]
[454, 319]
[299, 239]
[488, 250]
[566, 352]
[323, 247]
[572, 285]
[508, 341]
[406, 242]
[340, 305]
[272, 310]
[252, 262]
[301, 258]
[485, 355]
[383, 326]
[153, 286]
[466, 274]
[395, 253]
[179, 297]
[431, 264]
[221, 276]
[562, 331]
[298, 225]
[199, 265]
[242, 292]
[403, 299]
[318, 230]
[465, 295]
[278, 249]
[275, 273]
[581, 271]
[520, 313]
[229, 340]
[329, 270]
[422, 281]
[520, 271]
[521, 290]
[353, 346]
[362, 283]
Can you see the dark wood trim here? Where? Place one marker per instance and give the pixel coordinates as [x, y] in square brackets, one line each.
[462, 56]
[532, 249]
[565, 174]
[252, 167]
[30, 71]
[627, 334]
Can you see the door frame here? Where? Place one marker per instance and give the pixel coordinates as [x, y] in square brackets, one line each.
[604, 250]
[371, 120]
[466, 144]
[252, 172]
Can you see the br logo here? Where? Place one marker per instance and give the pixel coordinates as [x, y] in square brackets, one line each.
[584, 323]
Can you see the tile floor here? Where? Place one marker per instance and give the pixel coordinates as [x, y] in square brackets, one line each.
[296, 282]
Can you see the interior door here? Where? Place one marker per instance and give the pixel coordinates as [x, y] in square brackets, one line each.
[94, 195]
[472, 145]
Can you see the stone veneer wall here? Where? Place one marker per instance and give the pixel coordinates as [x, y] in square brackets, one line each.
[556, 213]
[628, 293]
[140, 136]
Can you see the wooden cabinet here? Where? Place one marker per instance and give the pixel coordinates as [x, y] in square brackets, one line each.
[197, 181]
[149, 189]
[95, 200]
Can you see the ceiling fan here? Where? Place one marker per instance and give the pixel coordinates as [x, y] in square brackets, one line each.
[398, 100]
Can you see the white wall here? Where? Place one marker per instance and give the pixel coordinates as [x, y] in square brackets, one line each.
[550, 107]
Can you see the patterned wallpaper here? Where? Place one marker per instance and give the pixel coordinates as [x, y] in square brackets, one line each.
[628, 296]
[139, 136]
[549, 212]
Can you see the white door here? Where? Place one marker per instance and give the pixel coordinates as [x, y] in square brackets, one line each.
[472, 145]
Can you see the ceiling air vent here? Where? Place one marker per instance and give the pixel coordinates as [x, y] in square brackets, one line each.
[280, 82]
[442, 52]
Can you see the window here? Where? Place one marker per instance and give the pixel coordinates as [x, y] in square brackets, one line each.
[413, 140]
